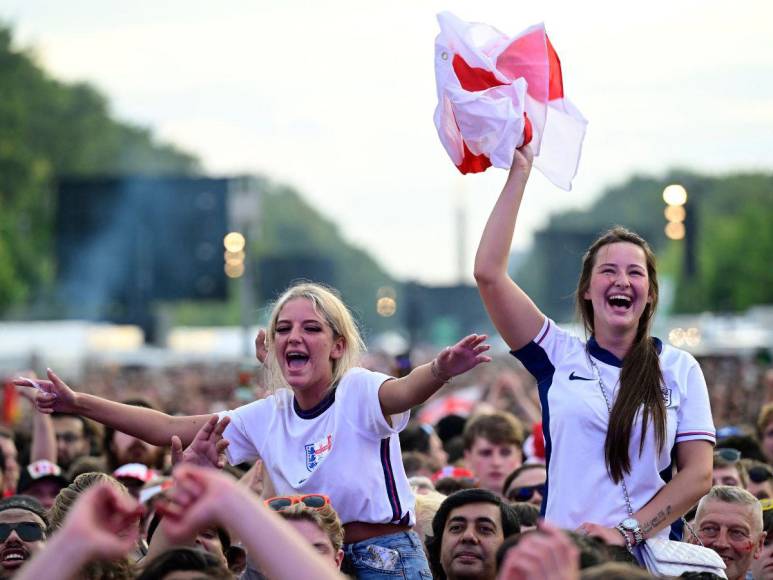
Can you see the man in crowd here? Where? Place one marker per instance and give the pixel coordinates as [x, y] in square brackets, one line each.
[72, 438]
[526, 484]
[729, 521]
[760, 478]
[468, 528]
[728, 469]
[42, 480]
[121, 448]
[23, 526]
[492, 448]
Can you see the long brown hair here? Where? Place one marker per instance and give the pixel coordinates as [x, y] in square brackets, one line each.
[641, 377]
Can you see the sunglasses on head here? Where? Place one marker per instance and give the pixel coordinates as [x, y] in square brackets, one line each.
[313, 501]
[27, 531]
[526, 492]
[728, 454]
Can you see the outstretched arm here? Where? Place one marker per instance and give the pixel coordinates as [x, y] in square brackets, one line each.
[146, 424]
[399, 395]
[203, 497]
[513, 313]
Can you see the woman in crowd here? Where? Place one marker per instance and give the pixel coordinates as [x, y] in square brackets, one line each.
[333, 432]
[614, 406]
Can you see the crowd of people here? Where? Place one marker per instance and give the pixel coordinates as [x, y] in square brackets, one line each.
[576, 460]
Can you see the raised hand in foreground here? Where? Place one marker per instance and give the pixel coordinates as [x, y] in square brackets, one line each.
[547, 554]
[102, 525]
[204, 497]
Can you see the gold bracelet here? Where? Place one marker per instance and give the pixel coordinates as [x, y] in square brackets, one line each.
[436, 372]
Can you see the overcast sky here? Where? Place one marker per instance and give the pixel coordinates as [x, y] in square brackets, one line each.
[336, 98]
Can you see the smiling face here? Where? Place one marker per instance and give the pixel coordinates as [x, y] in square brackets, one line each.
[618, 288]
[305, 348]
[471, 537]
[730, 531]
[15, 551]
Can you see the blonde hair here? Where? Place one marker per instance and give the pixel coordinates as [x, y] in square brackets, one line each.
[118, 569]
[328, 304]
[427, 505]
[68, 495]
[325, 518]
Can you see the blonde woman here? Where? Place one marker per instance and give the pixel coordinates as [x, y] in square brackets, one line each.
[334, 431]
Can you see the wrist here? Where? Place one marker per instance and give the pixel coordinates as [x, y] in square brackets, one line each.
[633, 529]
[439, 375]
[71, 547]
[626, 537]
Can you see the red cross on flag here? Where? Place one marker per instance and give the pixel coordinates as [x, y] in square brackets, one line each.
[496, 93]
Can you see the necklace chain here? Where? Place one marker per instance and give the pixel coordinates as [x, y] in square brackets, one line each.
[622, 481]
[609, 409]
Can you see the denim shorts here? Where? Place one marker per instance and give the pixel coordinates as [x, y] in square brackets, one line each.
[399, 555]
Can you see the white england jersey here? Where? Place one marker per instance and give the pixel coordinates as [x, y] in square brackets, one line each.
[343, 448]
[575, 418]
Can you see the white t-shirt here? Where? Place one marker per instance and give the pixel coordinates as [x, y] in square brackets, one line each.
[342, 448]
[575, 418]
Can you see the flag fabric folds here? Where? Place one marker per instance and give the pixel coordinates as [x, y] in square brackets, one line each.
[496, 93]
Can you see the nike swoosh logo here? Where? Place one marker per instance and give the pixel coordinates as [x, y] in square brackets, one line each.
[574, 377]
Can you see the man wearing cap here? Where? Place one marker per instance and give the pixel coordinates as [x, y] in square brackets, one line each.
[134, 476]
[42, 480]
[23, 526]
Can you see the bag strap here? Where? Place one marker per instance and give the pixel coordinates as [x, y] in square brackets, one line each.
[628, 505]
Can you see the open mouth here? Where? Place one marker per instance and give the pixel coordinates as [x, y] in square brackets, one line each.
[13, 557]
[296, 360]
[620, 301]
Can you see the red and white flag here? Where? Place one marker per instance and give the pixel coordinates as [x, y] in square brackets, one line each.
[496, 93]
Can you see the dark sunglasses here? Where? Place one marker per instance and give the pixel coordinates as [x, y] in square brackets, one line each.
[525, 493]
[759, 474]
[728, 454]
[27, 531]
[313, 501]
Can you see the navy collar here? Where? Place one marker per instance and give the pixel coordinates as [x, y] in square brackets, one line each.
[602, 354]
[317, 409]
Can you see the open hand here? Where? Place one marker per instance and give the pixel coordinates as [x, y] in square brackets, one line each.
[49, 395]
[207, 448]
[463, 356]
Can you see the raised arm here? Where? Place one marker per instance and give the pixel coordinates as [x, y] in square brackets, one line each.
[513, 313]
[399, 395]
[43, 444]
[146, 424]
